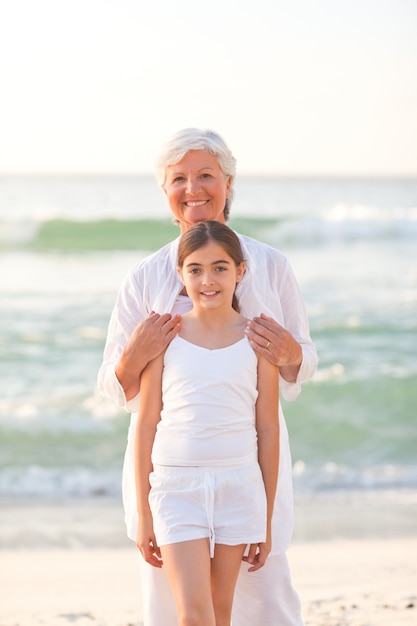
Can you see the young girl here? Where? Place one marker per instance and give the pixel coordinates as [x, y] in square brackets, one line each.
[207, 439]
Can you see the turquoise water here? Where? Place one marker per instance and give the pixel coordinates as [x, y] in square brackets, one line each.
[66, 243]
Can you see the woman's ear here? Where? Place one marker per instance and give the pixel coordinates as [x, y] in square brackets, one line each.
[229, 181]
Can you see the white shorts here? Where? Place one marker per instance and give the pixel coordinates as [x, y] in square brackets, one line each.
[226, 504]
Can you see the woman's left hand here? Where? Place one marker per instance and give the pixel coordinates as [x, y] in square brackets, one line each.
[272, 341]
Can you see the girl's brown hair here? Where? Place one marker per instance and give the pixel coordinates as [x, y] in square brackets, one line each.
[200, 234]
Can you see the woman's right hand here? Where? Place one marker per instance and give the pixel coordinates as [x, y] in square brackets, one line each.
[146, 542]
[149, 339]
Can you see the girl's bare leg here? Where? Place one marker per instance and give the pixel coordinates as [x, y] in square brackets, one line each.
[187, 565]
[225, 567]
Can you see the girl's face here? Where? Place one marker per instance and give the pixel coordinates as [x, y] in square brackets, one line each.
[196, 189]
[210, 276]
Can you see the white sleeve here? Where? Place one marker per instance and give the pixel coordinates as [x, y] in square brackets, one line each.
[128, 312]
[296, 322]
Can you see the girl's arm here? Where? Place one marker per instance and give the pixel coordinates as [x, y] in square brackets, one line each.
[267, 427]
[149, 415]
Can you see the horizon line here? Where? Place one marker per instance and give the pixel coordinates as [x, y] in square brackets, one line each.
[243, 174]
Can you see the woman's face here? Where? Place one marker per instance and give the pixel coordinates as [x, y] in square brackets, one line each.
[196, 189]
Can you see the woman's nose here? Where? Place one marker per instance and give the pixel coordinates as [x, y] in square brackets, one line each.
[192, 185]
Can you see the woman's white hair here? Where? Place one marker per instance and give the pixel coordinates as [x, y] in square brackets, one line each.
[197, 139]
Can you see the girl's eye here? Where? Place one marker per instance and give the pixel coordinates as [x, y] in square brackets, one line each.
[195, 270]
[219, 268]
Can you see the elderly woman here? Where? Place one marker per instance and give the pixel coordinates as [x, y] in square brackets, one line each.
[196, 171]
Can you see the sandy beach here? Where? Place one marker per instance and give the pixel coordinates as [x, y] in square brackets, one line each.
[55, 571]
[355, 583]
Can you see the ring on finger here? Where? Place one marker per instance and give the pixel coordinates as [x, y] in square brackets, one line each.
[268, 343]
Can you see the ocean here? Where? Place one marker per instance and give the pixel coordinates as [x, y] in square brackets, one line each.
[66, 243]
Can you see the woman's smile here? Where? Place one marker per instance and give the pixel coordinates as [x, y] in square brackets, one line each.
[193, 204]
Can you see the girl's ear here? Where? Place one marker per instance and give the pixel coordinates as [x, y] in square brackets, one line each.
[240, 270]
[179, 271]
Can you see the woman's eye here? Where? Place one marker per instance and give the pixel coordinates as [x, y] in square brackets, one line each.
[178, 179]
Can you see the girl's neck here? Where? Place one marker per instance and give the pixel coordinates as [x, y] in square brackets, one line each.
[215, 319]
[212, 329]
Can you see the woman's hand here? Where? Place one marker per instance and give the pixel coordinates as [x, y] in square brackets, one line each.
[146, 542]
[272, 341]
[148, 340]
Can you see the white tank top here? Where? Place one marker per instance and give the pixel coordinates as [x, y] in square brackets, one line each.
[209, 396]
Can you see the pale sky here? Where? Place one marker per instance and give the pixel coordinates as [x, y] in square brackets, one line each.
[294, 86]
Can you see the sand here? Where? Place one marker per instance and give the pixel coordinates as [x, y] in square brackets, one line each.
[342, 580]
[357, 582]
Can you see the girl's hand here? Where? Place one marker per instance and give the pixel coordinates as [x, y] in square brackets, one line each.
[146, 542]
[257, 555]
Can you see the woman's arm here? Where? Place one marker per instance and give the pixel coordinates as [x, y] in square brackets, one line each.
[148, 339]
[275, 343]
[267, 427]
[285, 325]
[135, 336]
[149, 415]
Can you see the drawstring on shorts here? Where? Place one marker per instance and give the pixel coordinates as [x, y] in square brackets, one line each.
[209, 498]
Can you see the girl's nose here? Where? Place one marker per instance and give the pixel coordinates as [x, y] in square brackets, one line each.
[208, 279]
